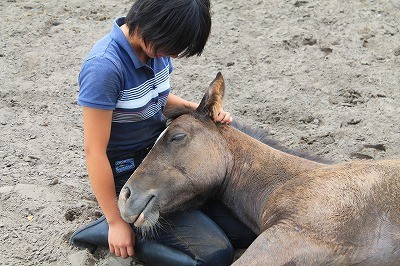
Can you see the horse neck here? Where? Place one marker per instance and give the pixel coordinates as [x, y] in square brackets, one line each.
[254, 171]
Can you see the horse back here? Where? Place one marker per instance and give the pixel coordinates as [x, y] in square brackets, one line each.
[354, 207]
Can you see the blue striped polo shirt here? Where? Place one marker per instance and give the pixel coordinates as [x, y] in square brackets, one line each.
[113, 78]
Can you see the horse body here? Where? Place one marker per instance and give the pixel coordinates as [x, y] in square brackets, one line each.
[305, 212]
[257, 171]
[344, 214]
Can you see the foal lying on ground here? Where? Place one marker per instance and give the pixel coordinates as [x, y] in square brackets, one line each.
[305, 212]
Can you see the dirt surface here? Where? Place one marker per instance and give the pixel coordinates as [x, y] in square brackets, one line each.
[320, 76]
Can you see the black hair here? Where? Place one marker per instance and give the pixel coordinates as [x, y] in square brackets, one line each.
[173, 27]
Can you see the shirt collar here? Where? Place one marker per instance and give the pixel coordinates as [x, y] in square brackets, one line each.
[119, 37]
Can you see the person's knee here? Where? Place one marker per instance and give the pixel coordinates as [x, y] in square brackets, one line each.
[154, 253]
[226, 256]
[217, 253]
[222, 253]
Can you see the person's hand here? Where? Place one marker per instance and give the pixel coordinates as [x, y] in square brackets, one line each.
[121, 239]
[223, 117]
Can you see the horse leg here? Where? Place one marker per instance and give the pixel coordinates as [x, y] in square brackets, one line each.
[280, 245]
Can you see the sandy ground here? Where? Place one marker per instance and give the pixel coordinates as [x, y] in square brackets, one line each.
[320, 76]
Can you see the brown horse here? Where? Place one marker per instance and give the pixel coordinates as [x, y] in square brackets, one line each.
[305, 212]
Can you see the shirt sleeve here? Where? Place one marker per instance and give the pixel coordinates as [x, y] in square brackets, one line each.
[99, 84]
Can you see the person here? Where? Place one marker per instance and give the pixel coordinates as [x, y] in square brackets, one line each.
[124, 91]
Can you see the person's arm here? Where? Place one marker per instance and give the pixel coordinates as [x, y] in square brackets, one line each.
[97, 128]
[176, 102]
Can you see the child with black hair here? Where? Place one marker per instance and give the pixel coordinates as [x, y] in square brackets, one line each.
[124, 90]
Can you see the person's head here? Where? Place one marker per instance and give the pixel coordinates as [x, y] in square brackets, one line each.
[171, 27]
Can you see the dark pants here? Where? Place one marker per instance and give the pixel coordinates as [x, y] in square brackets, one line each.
[196, 237]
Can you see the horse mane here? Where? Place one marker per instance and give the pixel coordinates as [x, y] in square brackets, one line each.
[256, 133]
[262, 135]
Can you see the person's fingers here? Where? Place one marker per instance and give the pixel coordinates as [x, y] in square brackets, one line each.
[123, 252]
[227, 118]
[130, 251]
[112, 250]
[131, 248]
[221, 117]
[117, 252]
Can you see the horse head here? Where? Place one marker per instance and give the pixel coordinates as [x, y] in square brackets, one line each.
[184, 168]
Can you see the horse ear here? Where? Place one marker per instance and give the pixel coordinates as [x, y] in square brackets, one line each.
[211, 103]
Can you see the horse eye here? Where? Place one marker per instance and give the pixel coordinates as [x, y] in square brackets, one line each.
[178, 137]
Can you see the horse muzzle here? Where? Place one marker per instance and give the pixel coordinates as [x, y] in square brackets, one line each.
[138, 208]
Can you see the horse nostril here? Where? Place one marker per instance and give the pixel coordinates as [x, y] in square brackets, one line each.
[125, 193]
